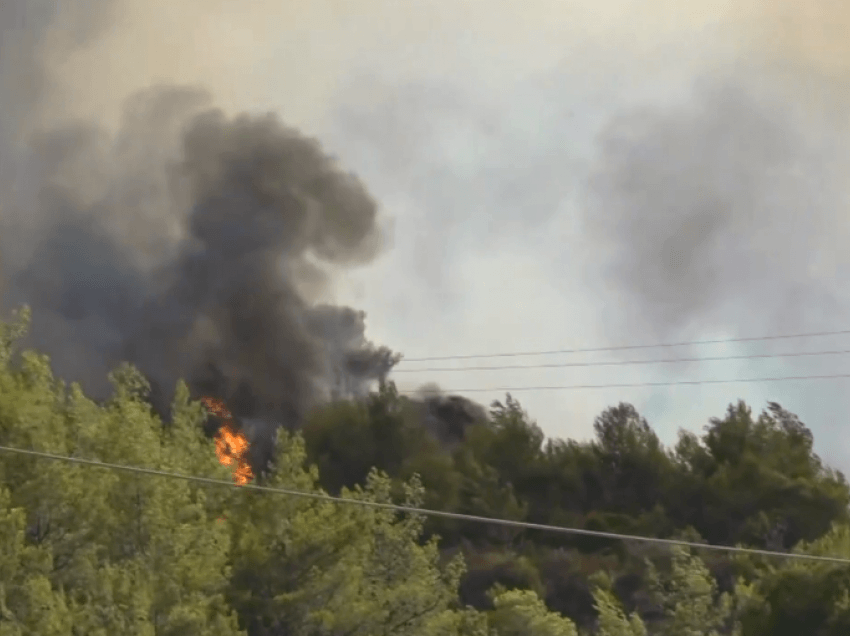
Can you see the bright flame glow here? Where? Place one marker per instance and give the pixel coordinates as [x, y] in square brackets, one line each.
[231, 445]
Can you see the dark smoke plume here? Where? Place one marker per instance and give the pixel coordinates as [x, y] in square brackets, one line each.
[187, 242]
[447, 417]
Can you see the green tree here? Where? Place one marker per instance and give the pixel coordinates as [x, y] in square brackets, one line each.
[634, 465]
[612, 619]
[313, 566]
[347, 439]
[29, 605]
[688, 599]
[523, 613]
[758, 481]
[106, 552]
[797, 596]
[511, 443]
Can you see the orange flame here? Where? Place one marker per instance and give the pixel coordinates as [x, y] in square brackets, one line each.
[231, 446]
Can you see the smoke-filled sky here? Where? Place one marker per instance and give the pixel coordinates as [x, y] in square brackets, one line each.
[534, 175]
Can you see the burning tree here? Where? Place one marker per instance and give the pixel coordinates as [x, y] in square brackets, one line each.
[231, 445]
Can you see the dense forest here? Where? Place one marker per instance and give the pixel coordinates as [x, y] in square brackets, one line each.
[87, 551]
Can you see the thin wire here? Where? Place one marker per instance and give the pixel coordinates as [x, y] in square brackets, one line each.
[425, 511]
[618, 363]
[575, 387]
[627, 347]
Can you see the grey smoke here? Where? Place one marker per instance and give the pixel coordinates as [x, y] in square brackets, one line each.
[718, 213]
[187, 242]
[446, 417]
[352, 359]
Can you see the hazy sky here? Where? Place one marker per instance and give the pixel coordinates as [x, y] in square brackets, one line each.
[553, 174]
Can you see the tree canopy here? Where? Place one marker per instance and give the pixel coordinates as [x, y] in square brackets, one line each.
[86, 550]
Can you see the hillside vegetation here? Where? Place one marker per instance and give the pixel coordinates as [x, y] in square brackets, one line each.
[88, 551]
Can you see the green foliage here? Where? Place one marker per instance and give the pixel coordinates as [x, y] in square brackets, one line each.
[101, 552]
[612, 620]
[104, 552]
[315, 567]
[745, 480]
[689, 600]
[12, 332]
[522, 613]
[794, 597]
[29, 606]
[346, 440]
[758, 481]
[503, 569]
[86, 551]
[511, 443]
[634, 468]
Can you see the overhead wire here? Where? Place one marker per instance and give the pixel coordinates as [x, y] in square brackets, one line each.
[618, 363]
[626, 385]
[524, 525]
[685, 343]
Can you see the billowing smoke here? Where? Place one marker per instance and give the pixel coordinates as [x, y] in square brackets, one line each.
[193, 244]
[353, 361]
[199, 244]
[447, 417]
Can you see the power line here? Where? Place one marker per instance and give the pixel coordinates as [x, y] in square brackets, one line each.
[524, 525]
[686, 343]
[559, 365]
[575, 387]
